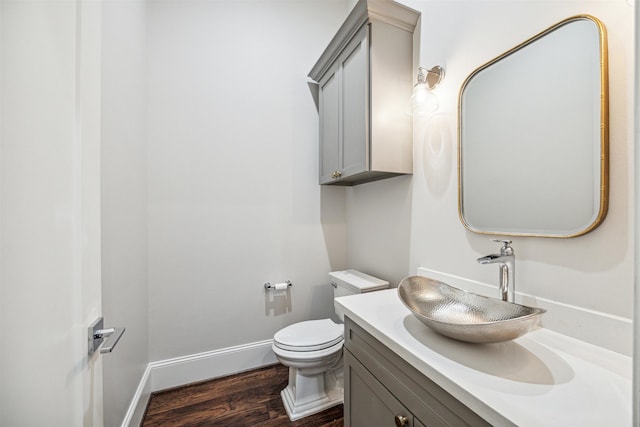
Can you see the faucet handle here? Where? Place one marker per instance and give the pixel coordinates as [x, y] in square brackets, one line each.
[506, 242]
[506, 249]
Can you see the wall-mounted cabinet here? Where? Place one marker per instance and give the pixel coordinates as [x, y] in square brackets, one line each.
[365, 78]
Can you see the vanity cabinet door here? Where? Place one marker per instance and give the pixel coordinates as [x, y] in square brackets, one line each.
[369, 402]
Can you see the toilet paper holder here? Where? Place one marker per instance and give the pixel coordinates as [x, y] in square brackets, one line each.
[277, 286]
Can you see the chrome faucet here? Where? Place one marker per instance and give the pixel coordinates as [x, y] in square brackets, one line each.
[506, 260]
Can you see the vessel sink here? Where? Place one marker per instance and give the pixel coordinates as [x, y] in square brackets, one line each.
[466, 316]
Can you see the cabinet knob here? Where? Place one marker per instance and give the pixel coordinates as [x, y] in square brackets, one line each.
[336, 174]
[401, 421]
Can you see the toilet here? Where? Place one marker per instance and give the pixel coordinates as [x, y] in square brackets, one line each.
[313, 352]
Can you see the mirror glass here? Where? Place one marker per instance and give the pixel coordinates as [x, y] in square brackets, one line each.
[533, 135]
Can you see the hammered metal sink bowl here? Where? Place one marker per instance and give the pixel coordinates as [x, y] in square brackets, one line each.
[463, 315]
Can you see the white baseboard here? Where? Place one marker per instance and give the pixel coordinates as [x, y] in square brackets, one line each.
[138, 404]
[178, 371]
[604, 330]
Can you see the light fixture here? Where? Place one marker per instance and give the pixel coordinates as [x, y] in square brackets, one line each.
[423, 101]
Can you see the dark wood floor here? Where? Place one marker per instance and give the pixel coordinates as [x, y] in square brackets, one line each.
[247, 399]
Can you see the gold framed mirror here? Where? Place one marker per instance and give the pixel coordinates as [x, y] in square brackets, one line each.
[533, 129]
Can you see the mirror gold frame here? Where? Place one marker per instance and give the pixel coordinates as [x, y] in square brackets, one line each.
[479, 136]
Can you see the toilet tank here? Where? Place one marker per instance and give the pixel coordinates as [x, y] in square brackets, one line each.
[351, 282]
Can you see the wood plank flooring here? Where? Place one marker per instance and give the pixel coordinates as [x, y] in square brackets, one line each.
[247, 399]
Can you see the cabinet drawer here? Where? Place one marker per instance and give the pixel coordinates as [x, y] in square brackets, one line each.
[430, 404]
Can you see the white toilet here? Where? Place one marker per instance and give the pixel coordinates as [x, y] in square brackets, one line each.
[313, 352]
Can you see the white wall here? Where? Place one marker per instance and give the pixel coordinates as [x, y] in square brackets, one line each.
[233, 170]
[594, 271]
[124, 200]
[379, 228]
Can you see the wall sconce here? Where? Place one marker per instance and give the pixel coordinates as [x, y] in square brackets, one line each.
[423, 101]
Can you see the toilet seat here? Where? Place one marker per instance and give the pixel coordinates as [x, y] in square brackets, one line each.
[310, 335]
[309, 359]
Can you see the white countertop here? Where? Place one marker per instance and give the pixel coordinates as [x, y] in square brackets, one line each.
[541, 379]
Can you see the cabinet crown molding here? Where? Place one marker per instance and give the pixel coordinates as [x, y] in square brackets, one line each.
[364, 12]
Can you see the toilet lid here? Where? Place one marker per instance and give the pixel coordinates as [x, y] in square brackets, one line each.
[309, 335]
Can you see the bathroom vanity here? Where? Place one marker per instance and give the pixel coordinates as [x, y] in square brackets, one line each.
[380, 385]
[399, 370]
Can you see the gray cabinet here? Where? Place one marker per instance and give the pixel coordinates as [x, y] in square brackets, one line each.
[365, 80]
[382, 389]
[370, 403]
[343, 113]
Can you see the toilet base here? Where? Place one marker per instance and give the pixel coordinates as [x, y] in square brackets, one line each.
[308, 395]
